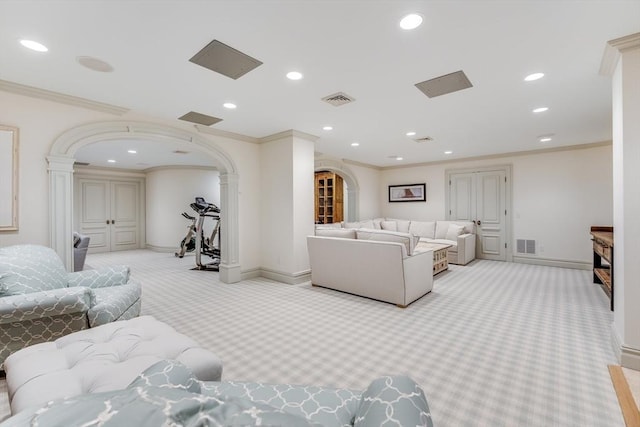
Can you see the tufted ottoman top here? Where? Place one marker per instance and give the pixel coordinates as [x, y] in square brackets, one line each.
[105, 358]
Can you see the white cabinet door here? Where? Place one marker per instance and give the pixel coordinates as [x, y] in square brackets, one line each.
[109, 213]
[481, 197]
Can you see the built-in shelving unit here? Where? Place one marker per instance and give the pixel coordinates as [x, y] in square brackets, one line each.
[328, 198]
[603, 258]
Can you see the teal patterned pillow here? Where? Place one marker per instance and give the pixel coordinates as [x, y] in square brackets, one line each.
[30, 268]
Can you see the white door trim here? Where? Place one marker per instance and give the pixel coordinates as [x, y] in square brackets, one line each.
[507, 168]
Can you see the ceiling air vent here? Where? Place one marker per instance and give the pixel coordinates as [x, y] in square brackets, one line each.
[80, 164]
[223, 59]
[425, 139]
[199, 118]
[338, 99]
[180, 152]
[444, 84]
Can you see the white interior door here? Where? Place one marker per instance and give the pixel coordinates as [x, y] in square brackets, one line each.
[481, 197]
[124, 215]
[109, 213]
[94, 213]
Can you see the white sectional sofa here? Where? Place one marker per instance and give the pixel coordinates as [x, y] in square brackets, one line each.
[461, 235]
[377, 264]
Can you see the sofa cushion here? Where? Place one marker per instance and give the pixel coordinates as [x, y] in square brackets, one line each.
[454, 231]
[402, 224]
[30, 268]
[389, 225]
[423, 228]
[345, 233]
[377, 223]
[406, 239]
[367, 224]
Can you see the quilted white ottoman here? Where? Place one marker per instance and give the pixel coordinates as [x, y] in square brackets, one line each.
[104, 358]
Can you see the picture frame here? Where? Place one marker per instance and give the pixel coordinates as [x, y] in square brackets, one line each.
[8, 178]
[408, 193]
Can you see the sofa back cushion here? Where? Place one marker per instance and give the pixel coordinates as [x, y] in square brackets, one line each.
[389, 225]
[30, 268]
[401, 224]
[406, 239]
[443, 226]
[423, 228]
[330, 225]
[345, 233]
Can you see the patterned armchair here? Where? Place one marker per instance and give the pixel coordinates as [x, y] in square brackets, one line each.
[40, 301]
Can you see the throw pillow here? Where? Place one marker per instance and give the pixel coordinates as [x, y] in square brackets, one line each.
[423, 228]
[352, 225]
[389, 225]
[454, 231]
[377, 223]
[367, 224]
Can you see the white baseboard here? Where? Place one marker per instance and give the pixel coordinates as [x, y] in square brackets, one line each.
[164, 249]
[628, 357]
[250, 274]
[280, 276]
[549, 262]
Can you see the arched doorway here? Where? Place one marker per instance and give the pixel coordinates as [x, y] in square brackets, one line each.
[62, 157]
[353, 191]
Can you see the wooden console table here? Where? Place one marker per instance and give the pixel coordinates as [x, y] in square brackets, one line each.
[440, 260]
[603, 250]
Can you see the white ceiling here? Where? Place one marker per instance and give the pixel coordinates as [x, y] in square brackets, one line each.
[351, 46]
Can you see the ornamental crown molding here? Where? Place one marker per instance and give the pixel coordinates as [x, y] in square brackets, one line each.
[614, 49]
[61, 98]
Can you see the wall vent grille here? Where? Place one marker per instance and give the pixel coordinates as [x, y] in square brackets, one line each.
[338, 99]
[526, 246]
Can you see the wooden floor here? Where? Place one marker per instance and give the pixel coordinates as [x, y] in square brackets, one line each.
[628, 404]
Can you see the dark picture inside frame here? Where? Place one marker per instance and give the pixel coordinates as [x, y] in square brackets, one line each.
[408, 193]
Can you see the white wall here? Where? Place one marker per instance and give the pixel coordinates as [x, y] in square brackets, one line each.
[169, 193]
[40, 122]
[276, 207]
[369, 203]
[303, 198]
[557, 197]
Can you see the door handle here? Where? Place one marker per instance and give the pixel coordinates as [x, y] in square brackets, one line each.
[113, 221]
[479, 222]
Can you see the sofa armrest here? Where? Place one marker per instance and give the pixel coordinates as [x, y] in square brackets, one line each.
[38, 305]
[418, 275]
[101, 278]
[466, 248]
[393, 400]
[113, 302]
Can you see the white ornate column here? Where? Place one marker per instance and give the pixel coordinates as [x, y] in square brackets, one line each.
[61, 207]
[229, 235]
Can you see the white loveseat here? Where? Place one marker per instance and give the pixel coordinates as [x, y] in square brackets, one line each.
[375, 264]
[461, 235]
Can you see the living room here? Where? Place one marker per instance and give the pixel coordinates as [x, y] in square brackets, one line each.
[556, 191]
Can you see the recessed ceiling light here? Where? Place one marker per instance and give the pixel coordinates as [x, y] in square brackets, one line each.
[545, 139]
[33, 45]
[410, 133]
[294, 75]
[111, 161]
[534, 76]
[411, 21]
[229, 105]
[327, 128]
[398, 158]
[540, 110]
[131, 151]
[355, 144]
[448, 152]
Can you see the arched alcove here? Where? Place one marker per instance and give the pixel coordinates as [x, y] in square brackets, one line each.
[353, 190]
[62, 157]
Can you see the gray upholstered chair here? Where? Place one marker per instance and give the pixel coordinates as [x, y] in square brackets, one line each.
[80, 247]
[40, 301]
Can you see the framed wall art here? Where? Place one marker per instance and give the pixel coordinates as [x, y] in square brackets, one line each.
[8, 178]
[408, 193]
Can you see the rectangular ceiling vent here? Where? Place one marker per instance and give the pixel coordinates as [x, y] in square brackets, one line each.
[338, 99]
[425, 139]
[526, 246]
[444, 84]
[199, 118]
[223, 59]
[80, 164]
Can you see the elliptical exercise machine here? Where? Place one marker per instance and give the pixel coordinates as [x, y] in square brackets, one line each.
[195, 239]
